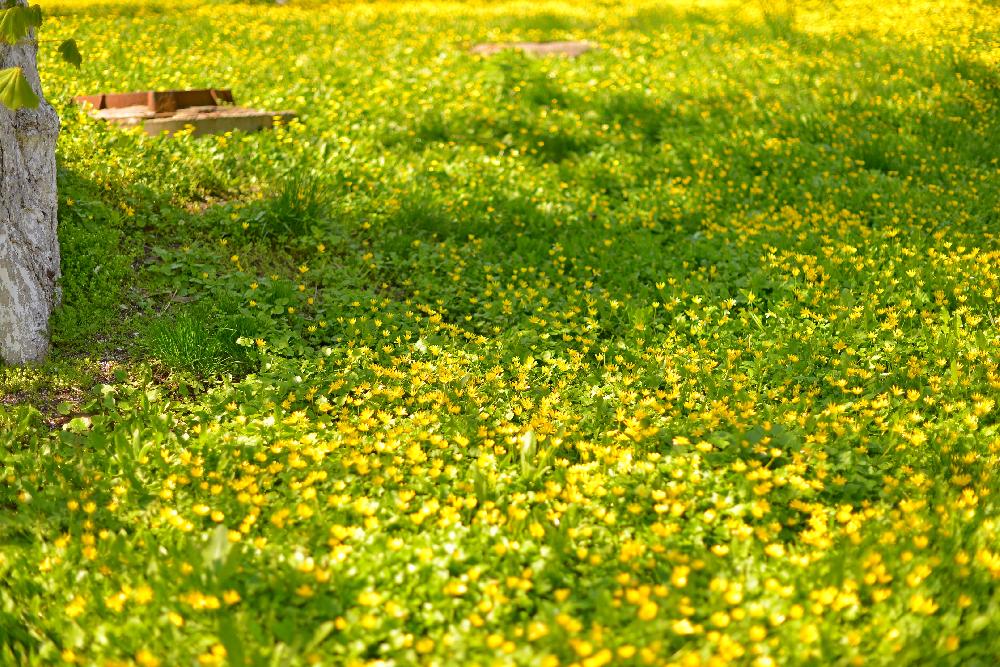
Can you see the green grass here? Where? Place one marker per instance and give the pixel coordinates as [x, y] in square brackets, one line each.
[682, 352]
[201, 342]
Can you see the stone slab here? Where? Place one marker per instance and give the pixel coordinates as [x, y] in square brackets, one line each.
[564, 49]
[206, 111]
[203, 120]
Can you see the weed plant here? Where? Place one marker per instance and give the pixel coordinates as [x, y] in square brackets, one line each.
[683, 352]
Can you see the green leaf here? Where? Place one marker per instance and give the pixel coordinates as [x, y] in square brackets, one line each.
[70, 53]
[15, 22]
[322, 632]
[15, 92]
[78, 425]
[231, 640]
[217, 549]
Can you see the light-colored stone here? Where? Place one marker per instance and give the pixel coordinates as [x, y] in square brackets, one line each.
[203, 119]
[565, 49]
[29, 245]
[206, 111]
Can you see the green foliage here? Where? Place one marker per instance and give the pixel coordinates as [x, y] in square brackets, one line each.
[15, 91]
[297, 205]
[70, 52]
[17, 21]
[681, 352]
[199, 341]
[97, 267]
[779, 17]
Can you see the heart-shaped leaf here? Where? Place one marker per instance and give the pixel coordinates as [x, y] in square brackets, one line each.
[70, 53]
[15, 22]
[15, 91]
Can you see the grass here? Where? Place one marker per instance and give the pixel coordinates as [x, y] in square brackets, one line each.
[203, 343]
[683, 352]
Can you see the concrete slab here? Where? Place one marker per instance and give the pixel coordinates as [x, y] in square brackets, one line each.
[564, 49]
[208, 111]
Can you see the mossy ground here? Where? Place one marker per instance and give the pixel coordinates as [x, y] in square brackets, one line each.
[682, 352]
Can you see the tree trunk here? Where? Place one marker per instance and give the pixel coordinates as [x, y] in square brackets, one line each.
[29, 246]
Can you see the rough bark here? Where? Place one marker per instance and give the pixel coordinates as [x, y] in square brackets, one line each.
[29, 246]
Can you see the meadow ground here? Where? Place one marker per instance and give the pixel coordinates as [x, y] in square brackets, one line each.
[683, 352]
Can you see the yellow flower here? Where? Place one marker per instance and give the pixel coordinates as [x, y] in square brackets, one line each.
[215, 656]
[455, 588]
[146, 659]
[920, 604]
[599, 659]
[116, 601]
[369, 599]
[720, 619]
[683, 627]
[648, 610]
[143, 594]
[76, 606]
